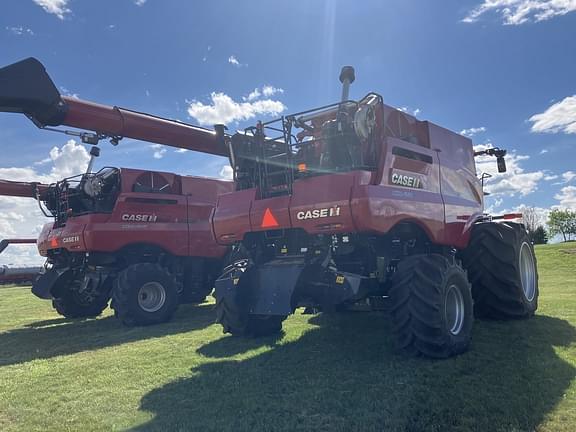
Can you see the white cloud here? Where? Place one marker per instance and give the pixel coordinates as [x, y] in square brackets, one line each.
[472, 131]
[560, 117]
[159, 150]
[227, 172]
[409, 110]
[568, 176]
[234, 61]
[181, 150]
[266, 91]
[21, 217]
[55, 7]
[515, 181]
[543, 151]
[567, 197]
[69, 160]
[223, 109]
[66, 92]
[20, 31]
[515, 12]
[550, 177]
[139, 2]
[269, 90]
[255, 94]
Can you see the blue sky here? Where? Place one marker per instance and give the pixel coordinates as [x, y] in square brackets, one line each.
[489, 66]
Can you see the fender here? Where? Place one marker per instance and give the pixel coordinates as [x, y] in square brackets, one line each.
[47, 280]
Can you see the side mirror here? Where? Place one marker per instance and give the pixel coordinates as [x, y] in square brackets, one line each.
[501, 164]
[498, 153]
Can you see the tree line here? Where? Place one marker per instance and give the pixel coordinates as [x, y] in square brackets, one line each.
[560, 222]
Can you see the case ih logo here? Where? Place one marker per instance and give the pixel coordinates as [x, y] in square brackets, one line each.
[139, 218]
[71, 239]
[405, 180]
[318, 213]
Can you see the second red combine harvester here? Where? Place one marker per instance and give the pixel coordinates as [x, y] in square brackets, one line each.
[358, 204]
[140, 238]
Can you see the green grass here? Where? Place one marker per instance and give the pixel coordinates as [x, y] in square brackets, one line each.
[334, 373]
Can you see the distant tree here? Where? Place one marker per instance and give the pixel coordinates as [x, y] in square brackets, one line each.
[562, 222]
[539, 235]
[531, 218]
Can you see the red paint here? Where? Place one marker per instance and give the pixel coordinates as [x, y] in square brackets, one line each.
[182, 219]
[445, 205]
[21, 189]
[116, 121]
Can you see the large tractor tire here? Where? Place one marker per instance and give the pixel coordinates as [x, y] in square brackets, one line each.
[233, 315]
[431, 306]
[144, 294]
[502, 269]
[71, 304]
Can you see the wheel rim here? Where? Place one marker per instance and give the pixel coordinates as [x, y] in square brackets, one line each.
[454, 310]
[527, 272]
[151, 296]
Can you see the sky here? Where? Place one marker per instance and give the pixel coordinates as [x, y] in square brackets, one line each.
[500, 71]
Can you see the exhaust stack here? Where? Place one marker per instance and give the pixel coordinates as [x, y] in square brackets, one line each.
[94, 153]
[347, 77]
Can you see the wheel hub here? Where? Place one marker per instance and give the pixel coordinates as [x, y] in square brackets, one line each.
[454, 310]
[527, 272]
[151, 296]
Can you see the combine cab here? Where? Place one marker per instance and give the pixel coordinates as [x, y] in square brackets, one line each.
[360, 205]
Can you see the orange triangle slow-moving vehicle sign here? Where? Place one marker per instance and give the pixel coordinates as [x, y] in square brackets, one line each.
[269, 221]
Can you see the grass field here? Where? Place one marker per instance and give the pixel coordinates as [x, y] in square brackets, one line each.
[336, 373]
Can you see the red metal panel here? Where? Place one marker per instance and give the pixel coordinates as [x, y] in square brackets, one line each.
[162, 223]
[461, 190]
[21, 189]
[378, 207]
[323, 192]
[278, 208]
[130, 124]
[232, 216]
[201, 240]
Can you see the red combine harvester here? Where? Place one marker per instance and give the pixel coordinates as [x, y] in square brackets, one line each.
[139, 237]
[360, 205]
[16, 275]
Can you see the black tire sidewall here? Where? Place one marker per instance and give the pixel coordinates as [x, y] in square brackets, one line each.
[127, 290]
[460, 341]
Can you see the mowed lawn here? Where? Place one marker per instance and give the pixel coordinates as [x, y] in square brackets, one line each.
[327, 372]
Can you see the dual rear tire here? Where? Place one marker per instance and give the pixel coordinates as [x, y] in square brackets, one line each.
[434, 299]
[502, 269]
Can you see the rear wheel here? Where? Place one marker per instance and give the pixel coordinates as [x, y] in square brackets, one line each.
[144, 294]
[197, 285]
[502, 269]
[431, 306]
[72, 302]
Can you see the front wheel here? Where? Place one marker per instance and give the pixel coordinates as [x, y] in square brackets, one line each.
[144, 294]
[431, 306]
[72, 302]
